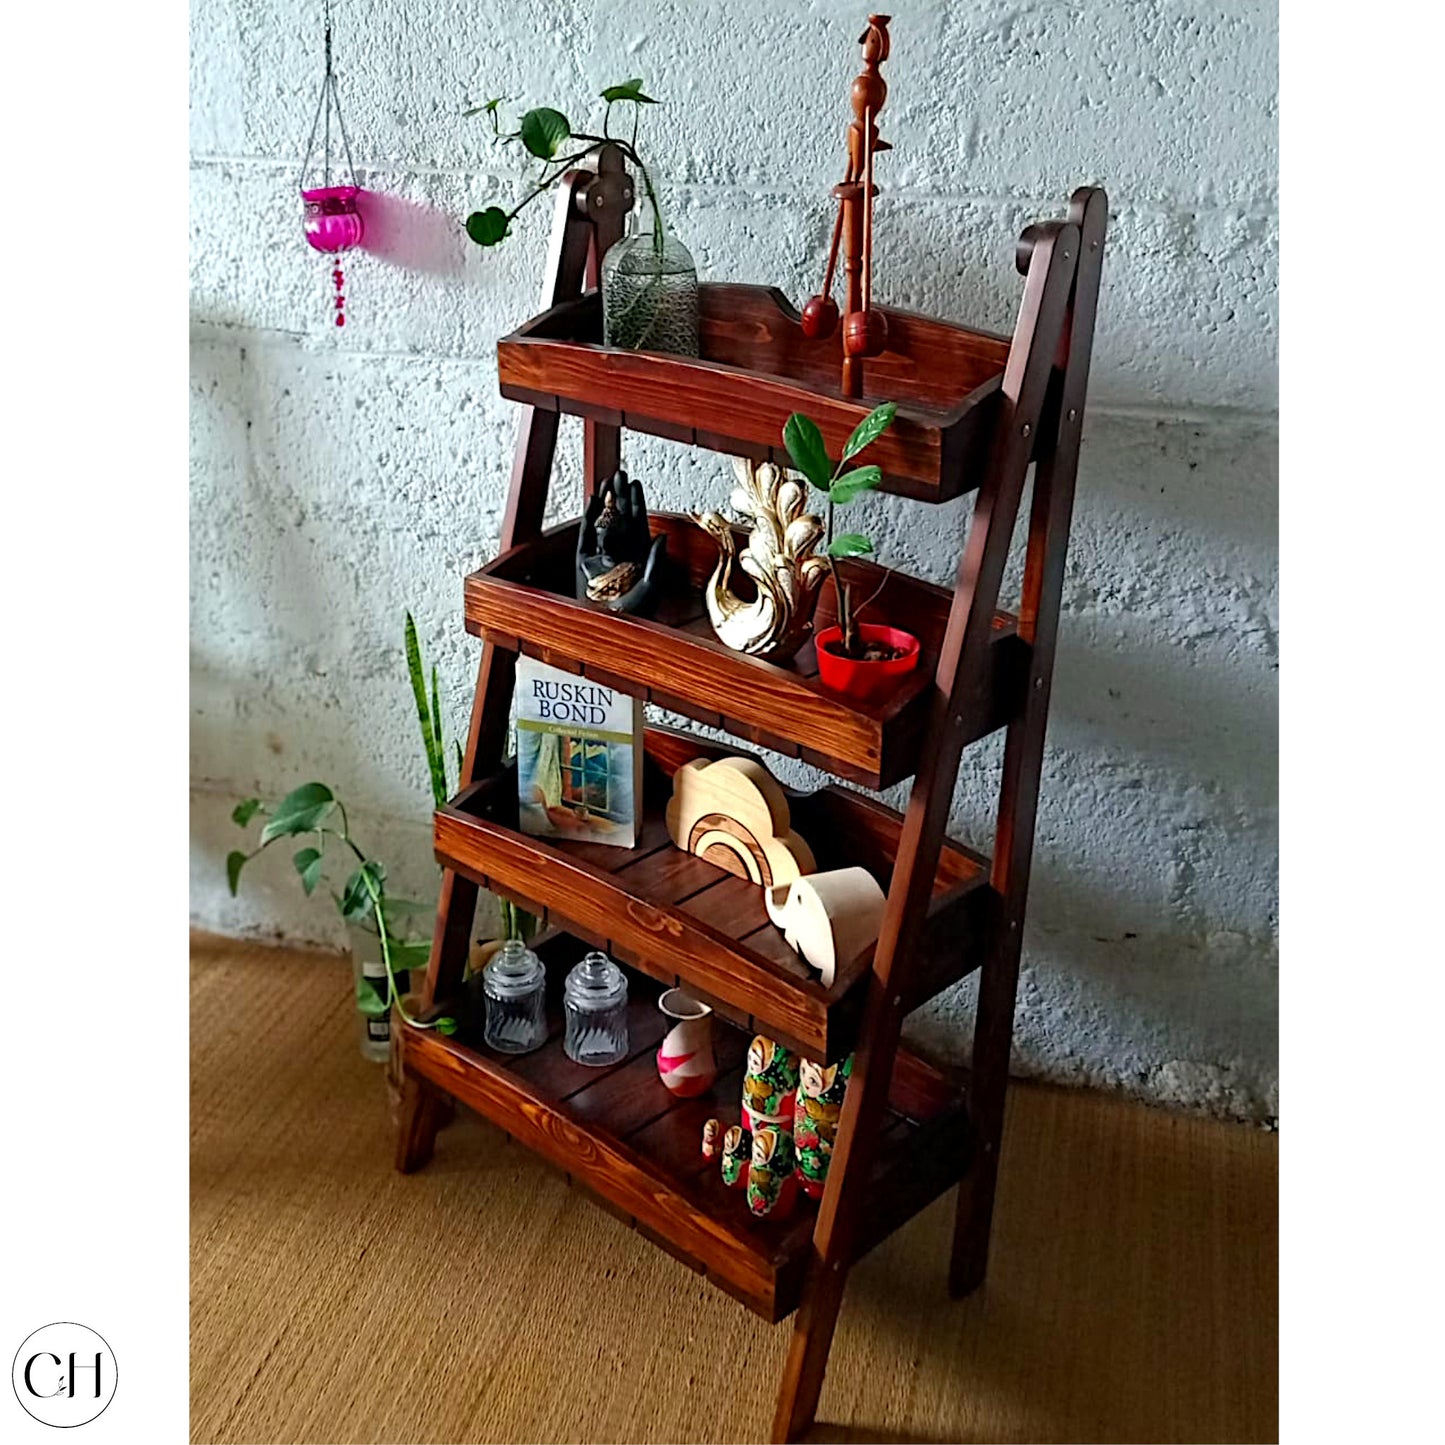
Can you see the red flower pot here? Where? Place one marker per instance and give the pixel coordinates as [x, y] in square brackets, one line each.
[865, 681]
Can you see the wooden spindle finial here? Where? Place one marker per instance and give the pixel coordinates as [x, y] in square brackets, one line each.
[870, 90]
[864, 330]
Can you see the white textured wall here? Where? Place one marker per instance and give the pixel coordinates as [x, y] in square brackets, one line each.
[338, 477]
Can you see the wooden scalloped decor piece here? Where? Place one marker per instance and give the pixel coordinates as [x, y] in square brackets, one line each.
[733, 813]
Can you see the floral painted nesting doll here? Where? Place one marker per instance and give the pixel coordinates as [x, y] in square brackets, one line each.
[737, 1149]
[769, 1085]
[711, 1138]
[816, 1111]
[772, 1174]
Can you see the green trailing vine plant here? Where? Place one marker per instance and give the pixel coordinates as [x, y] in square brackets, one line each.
[314, 811]
[545, 133]
[809, 455]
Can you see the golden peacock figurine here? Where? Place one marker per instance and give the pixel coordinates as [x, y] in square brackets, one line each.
[776, 619]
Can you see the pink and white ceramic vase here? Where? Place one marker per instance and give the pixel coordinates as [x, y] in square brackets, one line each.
[685, 1059]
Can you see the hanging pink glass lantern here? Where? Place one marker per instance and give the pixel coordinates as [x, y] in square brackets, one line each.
[332, 221]
[330, 215]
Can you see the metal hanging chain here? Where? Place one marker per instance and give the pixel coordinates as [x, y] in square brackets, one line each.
[328, 100]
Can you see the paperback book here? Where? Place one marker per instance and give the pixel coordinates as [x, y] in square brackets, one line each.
[579, 757]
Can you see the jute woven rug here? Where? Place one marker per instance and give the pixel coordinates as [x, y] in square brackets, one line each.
[1132, 1292]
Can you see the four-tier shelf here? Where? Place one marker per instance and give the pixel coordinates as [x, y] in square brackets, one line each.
[975, 410]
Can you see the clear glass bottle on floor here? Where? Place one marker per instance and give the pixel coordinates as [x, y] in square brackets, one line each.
[514, 983]
[366, 962]
[595, 1000]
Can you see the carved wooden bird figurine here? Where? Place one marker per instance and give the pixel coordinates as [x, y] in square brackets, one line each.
[779, 557]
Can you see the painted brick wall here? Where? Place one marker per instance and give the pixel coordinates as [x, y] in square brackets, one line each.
[339, 477]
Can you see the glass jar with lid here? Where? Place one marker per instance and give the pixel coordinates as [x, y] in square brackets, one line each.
[595, 1000]
[514, 984]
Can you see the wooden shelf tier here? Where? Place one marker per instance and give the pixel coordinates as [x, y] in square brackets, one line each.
[756, 369]
[622, 1136]
[524, 601]
[683, 920]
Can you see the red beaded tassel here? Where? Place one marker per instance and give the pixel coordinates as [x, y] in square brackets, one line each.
[339, 279]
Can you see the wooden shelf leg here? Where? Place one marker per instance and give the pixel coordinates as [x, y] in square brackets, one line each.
[574, 239]
[1050, 273]
[421, 1116]
[993, 1036]
[808, 1356]
[1050, 520]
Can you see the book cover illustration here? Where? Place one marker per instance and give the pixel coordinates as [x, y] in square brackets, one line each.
[579, 757]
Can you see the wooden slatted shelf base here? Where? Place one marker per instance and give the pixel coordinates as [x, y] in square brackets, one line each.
[524, 601]
[756, 368]
[680, 918]
[623, 1137]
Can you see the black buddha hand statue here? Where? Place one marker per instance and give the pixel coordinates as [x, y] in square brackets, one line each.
[618, 559]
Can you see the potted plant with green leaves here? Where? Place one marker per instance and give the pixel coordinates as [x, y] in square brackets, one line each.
[649, 280]
[862, 660]
[314, 815]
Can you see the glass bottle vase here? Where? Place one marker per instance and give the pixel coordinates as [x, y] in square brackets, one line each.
[649, 292]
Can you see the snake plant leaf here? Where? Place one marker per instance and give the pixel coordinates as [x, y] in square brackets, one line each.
[426, 714]
[308, 865]
[544, 130]
[361, 889]
[369, 998]
[300, 811]
[242, 813]
[438, 736]
[487, 227]
[805, 446]
[870, 429]
[235, 861]
[851, 484]
[850, 544]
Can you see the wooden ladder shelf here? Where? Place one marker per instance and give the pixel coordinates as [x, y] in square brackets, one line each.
[975, 410]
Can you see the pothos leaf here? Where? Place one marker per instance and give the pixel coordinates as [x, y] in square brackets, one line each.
[366, 881]
[487, 227]
[870, 429]
[308, 865]
[369, 998]
[235, 861]
[490, 108]
[242, 813]
[407, 956]
[300, 811]
[446, 1026]
[543, 131]
[628, 90]
[805, 446]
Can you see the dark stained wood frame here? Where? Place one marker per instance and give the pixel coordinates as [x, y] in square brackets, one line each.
[1034, 414]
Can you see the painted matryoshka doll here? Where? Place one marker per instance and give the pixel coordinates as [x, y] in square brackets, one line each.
[769, 1084]
[816, 1111]
[711, 1138]
[772, 1175]
[737, 1149]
